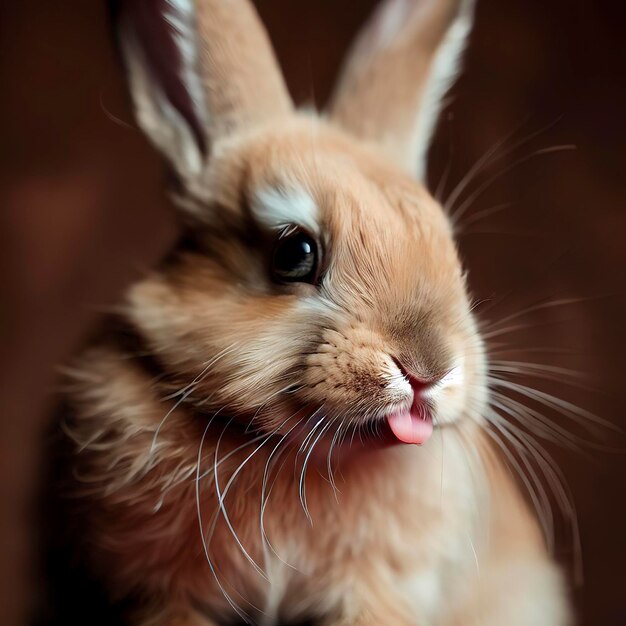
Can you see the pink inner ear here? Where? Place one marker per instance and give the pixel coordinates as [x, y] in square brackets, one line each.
[151, 22]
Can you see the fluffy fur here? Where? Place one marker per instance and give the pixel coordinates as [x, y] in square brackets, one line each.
[230, 460]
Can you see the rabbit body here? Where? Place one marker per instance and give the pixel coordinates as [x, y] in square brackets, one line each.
[250, 456]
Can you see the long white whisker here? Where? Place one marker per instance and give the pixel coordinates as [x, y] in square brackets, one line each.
[476, 168]
[331, 476]
[267, 401]
[482, 214]
[205, 544]
[535, 491]
[222, 495]
[232, 453]
[522, 367]
[558, 485]
[467, 203]
[265, 494]
[534, 421]
[302, 486]
[188, 390]
[566, 408]
[540, 306]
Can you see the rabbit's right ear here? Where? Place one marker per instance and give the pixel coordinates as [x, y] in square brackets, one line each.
[400, 66]
[198, 71]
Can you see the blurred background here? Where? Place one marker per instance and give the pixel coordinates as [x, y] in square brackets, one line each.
[537, 121]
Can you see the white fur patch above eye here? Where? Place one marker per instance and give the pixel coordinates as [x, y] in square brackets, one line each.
[276, 207]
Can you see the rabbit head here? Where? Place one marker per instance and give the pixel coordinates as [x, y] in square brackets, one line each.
[319, 286]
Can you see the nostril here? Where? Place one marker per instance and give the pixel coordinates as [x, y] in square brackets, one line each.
[419, 384]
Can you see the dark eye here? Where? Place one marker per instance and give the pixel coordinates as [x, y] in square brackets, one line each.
[296, 257]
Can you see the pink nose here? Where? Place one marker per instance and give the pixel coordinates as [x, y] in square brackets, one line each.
[414, 424]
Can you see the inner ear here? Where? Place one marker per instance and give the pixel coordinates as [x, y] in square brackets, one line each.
[167, 34]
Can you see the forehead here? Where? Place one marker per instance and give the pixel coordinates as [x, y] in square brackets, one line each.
[315, 173]
[313, 176]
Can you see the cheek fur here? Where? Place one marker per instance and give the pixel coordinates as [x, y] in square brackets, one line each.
[351, 371]
[237, 352]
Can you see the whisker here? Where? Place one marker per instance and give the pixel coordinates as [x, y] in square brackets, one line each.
[331, 476]
[535, 369]
[186, 391]
[222, 495]
[482, 162]
[232, 453]
[205, 544]
[541, 306]
[483, 213]
[536, 423]
[302, 485]
[492, 156]
[533, 486]
[567, 409]
[467, 203]
[265, 493]
[506, 349]
[557, 484]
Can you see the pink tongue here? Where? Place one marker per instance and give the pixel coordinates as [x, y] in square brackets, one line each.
[411, 426]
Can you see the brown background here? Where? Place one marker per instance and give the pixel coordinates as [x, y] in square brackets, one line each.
[82, 212]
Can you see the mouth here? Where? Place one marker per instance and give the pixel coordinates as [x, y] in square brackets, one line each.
[407, 426]
[401, 426]
[412, 425]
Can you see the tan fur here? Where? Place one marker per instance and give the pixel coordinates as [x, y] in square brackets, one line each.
[364, 534]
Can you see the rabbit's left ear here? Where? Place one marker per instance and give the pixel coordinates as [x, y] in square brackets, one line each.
[199, 71]
[400, 67]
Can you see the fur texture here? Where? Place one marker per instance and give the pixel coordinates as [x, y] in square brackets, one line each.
[237, 464]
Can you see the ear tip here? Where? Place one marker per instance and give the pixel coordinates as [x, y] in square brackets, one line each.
[384, 57]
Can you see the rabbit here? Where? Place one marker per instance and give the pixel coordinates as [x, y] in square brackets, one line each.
[284, 424]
